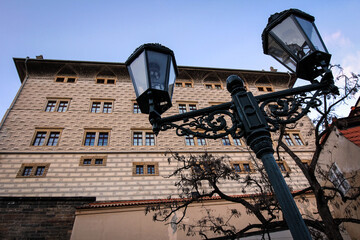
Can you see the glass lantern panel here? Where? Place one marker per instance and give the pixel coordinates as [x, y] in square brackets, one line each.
[279, 54]
[312, 34]
[289, 33]
[139, 75]
[172, 77]
[157, 64]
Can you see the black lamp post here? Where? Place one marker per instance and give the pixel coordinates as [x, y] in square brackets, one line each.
[291, 37]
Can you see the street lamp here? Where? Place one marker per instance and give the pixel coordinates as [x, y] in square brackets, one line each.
[243, 117]
[292, 38]
[153, 70]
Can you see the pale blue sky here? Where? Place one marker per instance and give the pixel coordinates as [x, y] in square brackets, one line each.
[206, 33]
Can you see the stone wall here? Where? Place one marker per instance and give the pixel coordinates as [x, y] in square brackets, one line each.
[38, 217]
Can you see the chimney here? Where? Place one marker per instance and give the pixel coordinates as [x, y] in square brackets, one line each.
[40, 57]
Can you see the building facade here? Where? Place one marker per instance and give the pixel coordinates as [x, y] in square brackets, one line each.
[340, 158]
[75, 130]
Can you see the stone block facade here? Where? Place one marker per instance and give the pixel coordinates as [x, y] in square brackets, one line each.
[114, 179]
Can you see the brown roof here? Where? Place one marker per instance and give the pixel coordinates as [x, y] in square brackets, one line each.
[157, 201]
[352, 134]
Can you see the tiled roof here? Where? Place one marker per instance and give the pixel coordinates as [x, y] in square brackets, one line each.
[352, 134]
[155, 201]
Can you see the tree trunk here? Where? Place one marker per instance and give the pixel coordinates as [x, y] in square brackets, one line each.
[331, 229]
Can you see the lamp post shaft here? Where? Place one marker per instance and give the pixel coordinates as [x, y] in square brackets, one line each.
[291, 213]
[256, 132]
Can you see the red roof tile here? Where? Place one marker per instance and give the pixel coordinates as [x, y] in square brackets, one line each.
[154, 201]
[352, 134]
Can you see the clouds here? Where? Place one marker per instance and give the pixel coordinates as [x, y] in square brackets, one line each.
[344, 51]
[337, 39]
[351, 63]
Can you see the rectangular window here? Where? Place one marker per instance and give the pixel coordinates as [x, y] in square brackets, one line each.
[139, 169]
[293, 138]
[187, 107]
[136, 108]
[209, 85]
[182, 108]
[96, 138]
[90, 139]
[27, 171]
[87, 161]
[71, 80]
[265, 88]
[50, 107]
[283, 166]
[201, 141]
[62, 106]
[247, 167]
[226, 141]
[237, 142]
[103, 139]
[46, 137]
[298, 139]
[149, 139]
[230, 140]
[95, 107]
[60, 79]
[107, 107]
[65, 79]
[39, 139]
[145, 169]
[105, 80]
[110, 81]
[243, 167]
[192, 107]
[57, 105]
[186, 84]
[32, 170]
[53, 138]
[93, 161]
[337, 178]
[40, 171]
[137, 139]
[189, 140]
[237, 167]
[151, 169]
[141, 138]
[288, 140]
[99, 161]
[101, 106]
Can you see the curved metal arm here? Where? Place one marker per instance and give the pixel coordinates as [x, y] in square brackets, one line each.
[287, 110]
[211, 122]
[281, 107]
